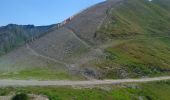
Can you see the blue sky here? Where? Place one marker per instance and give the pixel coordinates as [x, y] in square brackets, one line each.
[40, 12]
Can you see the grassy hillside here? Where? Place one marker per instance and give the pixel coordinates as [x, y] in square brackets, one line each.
[145, 91]
[137, 17]
[145, 29]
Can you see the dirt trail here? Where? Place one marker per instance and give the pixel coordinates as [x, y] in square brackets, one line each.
[46, 57]
[71, 31]
[22, 83]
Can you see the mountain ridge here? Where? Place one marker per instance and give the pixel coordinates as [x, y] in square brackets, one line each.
[13, 35]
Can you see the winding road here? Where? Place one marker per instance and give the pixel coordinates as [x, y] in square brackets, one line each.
[23, 83]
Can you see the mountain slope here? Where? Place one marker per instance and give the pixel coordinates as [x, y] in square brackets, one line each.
[87, 22]
[113, 39]
[144, 28]
[12, 36]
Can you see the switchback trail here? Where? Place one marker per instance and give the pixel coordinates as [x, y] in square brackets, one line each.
[23, 83]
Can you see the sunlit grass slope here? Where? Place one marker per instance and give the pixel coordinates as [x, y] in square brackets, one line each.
[145, 28]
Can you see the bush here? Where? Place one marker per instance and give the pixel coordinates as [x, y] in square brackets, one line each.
[21, 96]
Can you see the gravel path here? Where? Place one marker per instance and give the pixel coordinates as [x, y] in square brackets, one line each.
[22, 83]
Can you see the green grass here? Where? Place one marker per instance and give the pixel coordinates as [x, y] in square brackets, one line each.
[137, 17]
[149, 57]
[144, 26]
[40, 74]
[146, 91]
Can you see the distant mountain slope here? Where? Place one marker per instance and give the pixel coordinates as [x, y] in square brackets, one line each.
[13, 35]
[113, 39]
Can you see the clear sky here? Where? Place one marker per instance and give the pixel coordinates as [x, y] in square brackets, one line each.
[40, 12]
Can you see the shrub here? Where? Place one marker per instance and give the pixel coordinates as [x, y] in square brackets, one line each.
[21, 96]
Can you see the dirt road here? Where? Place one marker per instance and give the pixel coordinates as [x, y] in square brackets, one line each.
[23, 83]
